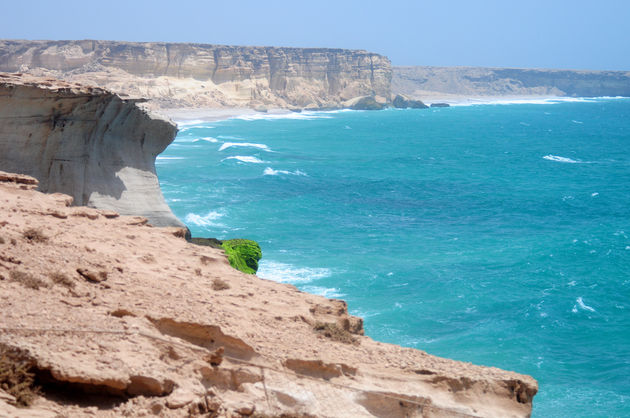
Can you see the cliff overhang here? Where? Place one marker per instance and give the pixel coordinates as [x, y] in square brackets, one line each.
[85, 142]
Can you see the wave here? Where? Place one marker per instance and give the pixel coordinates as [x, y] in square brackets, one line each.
[246, 159]
[186, 123]
[167, 158]
[327, 292]
[559, 159]
[290, 115]
[534, 100]
[287, 273]
[205, 220]
[207, 138]
[582, 305]
[271, 172]
[227, 145]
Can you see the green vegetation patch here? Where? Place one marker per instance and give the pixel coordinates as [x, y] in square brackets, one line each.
[243, 254]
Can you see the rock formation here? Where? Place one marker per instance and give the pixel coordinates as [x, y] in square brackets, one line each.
[85, 142]
[196, 75]
[114, 318]
[439, 82]
[401, 102]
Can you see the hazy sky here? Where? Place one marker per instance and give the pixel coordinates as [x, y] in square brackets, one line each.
[577, 34]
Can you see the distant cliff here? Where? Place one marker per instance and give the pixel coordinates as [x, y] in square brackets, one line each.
[85, 142]
[199, 75]
[424, 82]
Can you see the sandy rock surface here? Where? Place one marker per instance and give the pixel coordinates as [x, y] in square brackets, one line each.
[122, 319]
[177, 75]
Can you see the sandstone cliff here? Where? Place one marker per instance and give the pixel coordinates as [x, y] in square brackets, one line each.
[197, 75]
[85, 142]
[114, 318]
[427, 82]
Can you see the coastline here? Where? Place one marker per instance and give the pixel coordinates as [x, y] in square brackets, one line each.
[188, 115]
[131, 258]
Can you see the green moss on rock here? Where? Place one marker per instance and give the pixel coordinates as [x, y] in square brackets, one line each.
[243, 254]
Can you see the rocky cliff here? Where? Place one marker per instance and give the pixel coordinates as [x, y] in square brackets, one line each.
[85, 142]
[427, 82]
[111, 318]
[197, 75]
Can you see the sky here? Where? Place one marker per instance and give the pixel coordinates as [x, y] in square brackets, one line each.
[567, 34]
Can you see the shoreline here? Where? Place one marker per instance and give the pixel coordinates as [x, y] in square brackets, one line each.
[187, 116]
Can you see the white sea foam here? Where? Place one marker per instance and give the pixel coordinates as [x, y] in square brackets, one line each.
[187, 123]
[291, 115]
[594, 194]
[246, 159]
[327, 292]
[165, 158]
[583, 306]
[204, 220]
[577, 121]
[533, 100]
[233, 138]
[287, 273]
[561, 159]
[271, 172]
[207, 138]
[227, 145]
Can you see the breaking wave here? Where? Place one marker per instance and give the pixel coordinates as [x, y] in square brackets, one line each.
[207, 138]
[246, 159]
[287, 273]
[205, 220]
[561, 159]
[227, 145]
[271, 172]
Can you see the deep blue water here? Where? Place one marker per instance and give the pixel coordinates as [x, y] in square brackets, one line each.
[495, 234]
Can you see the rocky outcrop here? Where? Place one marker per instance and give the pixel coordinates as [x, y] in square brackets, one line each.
[401, 102]
[368, 103]
[425, 82]
[85, 142]
[198, 75]
[155, 336]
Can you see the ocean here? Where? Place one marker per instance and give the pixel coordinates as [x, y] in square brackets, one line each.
[496, 234]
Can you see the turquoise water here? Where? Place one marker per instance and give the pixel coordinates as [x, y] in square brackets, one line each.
[495, 234]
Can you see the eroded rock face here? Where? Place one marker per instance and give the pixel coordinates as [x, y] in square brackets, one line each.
[421, 81]
[85, 142]
[155, 337]
[199, 75]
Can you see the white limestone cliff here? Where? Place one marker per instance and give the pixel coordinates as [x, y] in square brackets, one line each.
[175, 75]
[85, 142]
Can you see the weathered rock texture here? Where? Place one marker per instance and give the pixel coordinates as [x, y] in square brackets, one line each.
[85, 142]
[422, 82]
[197, 75]
[120, 319]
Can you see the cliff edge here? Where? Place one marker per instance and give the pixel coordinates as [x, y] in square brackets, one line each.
[112, 318]
[426, 82]
[85, 142]
[177, 75]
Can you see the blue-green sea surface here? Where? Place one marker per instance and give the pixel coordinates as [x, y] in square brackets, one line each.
[494, 234]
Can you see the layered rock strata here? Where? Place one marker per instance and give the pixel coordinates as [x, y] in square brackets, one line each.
[423, 82]
[118, 319]
[198, 75]
[85, 142]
